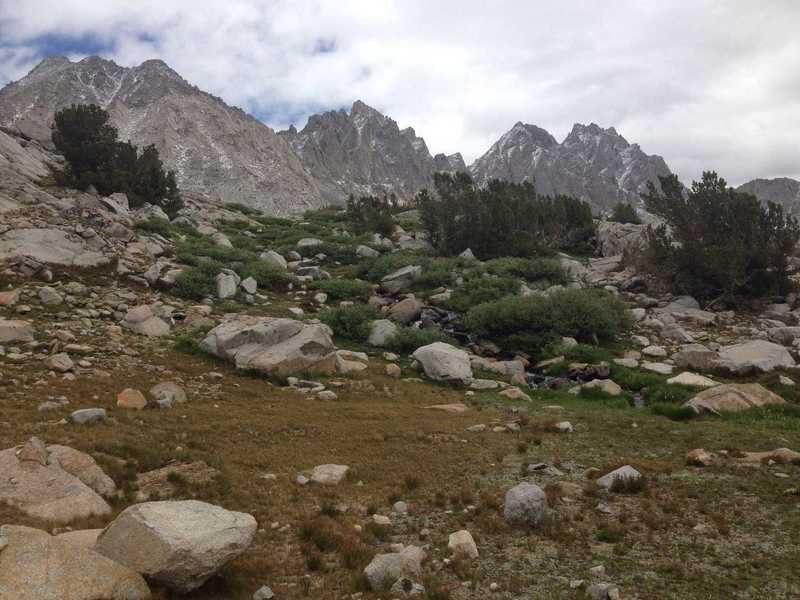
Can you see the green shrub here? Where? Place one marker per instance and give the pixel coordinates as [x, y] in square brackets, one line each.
[408, 339]
[375, 269]
[546, 270]
[676, 412]
[345, 289]
[268, 276]
[194, 283]
[478, 290]
[717, 243]
[670, 393]
[584, 353]
[534, 323]
[372, 214]
[160, 226]
[350, 322]
[634, 379]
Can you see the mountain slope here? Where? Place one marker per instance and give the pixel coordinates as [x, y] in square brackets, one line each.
[781, 190]
[215, 149]
[365, 152]
[595, 164]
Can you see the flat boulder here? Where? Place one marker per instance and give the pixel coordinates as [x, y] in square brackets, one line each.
[733, 397]
[273, 346]
[49, 246]
[401, 279]
[37, 566]
[178, 544]
[329, 474]
[12, 330]
[444, 362]
[754, 356]
[142, 320]
[50, 483]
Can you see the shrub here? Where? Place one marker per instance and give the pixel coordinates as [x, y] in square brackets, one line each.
[408, 339]
[533, 323]
[501, 219]
[675, 412]
[345, 289]
[546, 270]
[634, 379]
[717, 243]
[628, 485]
[194, 283]
[268, 276]
[349, 322]
[624, 213]
[375, 269]
[670, 393]
[478, 290]
[372, 214]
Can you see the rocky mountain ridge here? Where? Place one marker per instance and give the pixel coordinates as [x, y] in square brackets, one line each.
[781, 190]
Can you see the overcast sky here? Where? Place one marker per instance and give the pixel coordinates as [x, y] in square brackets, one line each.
[706, 84]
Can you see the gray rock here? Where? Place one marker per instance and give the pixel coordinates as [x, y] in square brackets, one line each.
[142, 320]
[179, 544]
[754, 356]
[444, 362]
[385, 569]
[86, 416]
[49, 246]
[274, 259]
[401, 279]
[49, 296]
[366, 252]
[273, 346]
[249, 285]
[525, 504]
[406, 310]
[60, 362]
[264, 593]
[624, 472]
[15, 331]
[381, 331]
[225, 285]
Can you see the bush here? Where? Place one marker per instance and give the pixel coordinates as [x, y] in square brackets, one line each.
[408, 339]
[670, 393]
[634, 379]
[194, 283]
[717, 243]
[673, 411]
[345, 289]
[349, 322]
[372, 214]
[534, 323]
[268, 276]
[502, 218]
[375, 269]
[546, 270]
[478, 290]
[624, 213]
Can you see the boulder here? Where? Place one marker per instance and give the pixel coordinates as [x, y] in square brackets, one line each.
[49, 246]
[754, 356]
[273, 346]
[130, 398]
[142, 320]
[623, 473]
[167, 393]
[50, 296]
[35, 481]
[273, 258]
[226, 285]
[60, 362]
[687, 378]
[15, 331]
[733, 397]
[462, 545]
[37, 566]
[179, 544]
[525, 505]
[406, 310]
[444, 362]
[380, 332]
[85, 416]
[606, 386]
[309, 243]
[329, 474]
[385, 569]
[81, 465]
[366, 252]
[249, 285]
[401, 279]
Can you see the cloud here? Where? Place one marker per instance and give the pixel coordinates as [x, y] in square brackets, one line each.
[705, 83]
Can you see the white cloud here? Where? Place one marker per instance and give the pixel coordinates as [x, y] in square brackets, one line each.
[706, 84]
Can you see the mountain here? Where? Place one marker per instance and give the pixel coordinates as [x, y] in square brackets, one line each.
[216, 150]
[364, 152]
[595, 164]
[782, 190]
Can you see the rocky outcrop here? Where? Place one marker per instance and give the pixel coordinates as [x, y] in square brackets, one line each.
[273, 346]
[177, 544]
[216, 150]
[733, 397]
[36, 566]
[444, 362]
[615, 239]
[594, 164]
[54, 483]
[781, 190]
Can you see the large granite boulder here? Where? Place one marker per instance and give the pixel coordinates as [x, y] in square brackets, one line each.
[401, 279]
[444, 362]
[733, 397]
[179, 544]
[37, 566]
[525, 505]
[54, 483]
[381, 331]
[754, 356]
[273, 346]
[385, 569]
[49, 246]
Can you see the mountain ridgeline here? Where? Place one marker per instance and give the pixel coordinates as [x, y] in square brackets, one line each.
[221, 152]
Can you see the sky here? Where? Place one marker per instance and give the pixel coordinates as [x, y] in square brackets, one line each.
[708, 85]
